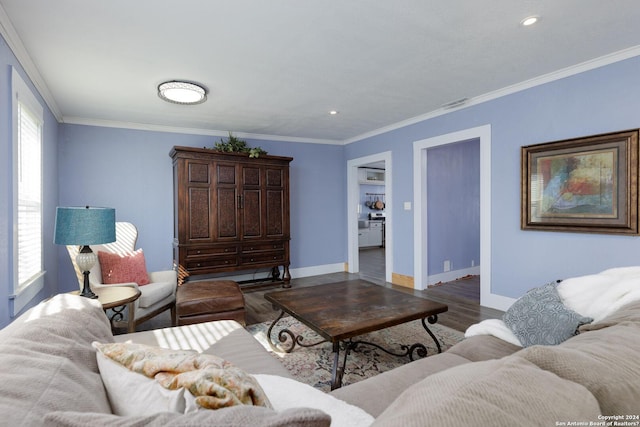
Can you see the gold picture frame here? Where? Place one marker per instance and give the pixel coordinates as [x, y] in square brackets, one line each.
[587, 185]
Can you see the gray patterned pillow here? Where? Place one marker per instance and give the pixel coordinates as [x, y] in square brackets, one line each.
[540, 317]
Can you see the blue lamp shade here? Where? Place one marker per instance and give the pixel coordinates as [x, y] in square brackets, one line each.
[85, 226]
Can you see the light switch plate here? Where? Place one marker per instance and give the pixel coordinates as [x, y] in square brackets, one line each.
[407, 206]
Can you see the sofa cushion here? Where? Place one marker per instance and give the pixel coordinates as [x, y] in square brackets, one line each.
[375, 394]
[483, 347]
[628, 313]
[223, 338]
[505, 392]
[604, 361]
[155, 292]
[255, 416]
[48, 363]
[540, 317]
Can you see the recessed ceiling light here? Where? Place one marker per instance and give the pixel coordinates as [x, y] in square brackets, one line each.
[179, 92]
[333, 112]
[529, 20]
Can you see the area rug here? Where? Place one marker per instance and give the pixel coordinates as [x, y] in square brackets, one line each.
[312, 365]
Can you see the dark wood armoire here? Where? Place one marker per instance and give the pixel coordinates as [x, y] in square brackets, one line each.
[231, 212]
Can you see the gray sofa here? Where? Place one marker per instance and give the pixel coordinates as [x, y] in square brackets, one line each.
[49, 376]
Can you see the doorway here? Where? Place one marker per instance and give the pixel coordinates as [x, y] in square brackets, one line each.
[453, 211]
[376, 261]
[420, 149]
[372, 221]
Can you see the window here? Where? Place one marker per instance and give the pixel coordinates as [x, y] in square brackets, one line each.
[28, 265]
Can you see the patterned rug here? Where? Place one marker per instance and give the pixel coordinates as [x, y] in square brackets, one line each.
[312, 365]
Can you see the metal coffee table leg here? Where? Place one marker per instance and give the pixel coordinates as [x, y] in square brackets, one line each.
[432, 320]
[287, 335]
[288, 341]
[336, 373]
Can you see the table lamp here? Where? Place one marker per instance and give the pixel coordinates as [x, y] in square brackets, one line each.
[83, 227]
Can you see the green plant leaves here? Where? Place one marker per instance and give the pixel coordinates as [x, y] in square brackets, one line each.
[233, 144]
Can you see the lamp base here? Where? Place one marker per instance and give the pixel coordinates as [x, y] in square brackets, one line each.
[86, 289]
[89, 294]
[85, 261]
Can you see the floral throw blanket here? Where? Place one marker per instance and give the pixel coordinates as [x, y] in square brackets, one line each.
[214, 382]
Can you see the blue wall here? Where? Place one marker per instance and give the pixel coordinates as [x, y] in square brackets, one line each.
[50, 189]
[453, 206]
[131, 171]
[602, 100]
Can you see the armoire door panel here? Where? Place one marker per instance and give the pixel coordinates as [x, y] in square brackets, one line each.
[226, 213]
[250, 176]
[251, 214]
[198, 173]
[199, 214]
[225, 174]
[274, 177]
[275, 213]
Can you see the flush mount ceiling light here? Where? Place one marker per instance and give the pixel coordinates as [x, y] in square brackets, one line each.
[179, 92]
[529, 20]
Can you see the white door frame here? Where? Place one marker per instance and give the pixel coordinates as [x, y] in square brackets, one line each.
[352, 211]
[421, 274]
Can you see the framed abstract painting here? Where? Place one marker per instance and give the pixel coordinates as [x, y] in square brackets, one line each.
[587, 185]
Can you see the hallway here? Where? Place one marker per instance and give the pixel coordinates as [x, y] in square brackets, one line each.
[372, 264]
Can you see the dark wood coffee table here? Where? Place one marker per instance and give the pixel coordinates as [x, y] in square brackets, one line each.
[338, 312]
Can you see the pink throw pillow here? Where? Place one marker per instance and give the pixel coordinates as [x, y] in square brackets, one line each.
[125, 268]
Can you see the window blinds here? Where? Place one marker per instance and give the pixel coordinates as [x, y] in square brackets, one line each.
[29, 195]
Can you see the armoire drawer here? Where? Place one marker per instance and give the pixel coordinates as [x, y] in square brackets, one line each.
[211, 262]
[262, 247]
[263, 258]
[209, 251]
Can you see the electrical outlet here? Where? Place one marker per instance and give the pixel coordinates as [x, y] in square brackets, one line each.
[447, 265]
[473, 263]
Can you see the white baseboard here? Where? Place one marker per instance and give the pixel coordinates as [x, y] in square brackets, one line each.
[453, 275]
[317, 270]
[496, 301]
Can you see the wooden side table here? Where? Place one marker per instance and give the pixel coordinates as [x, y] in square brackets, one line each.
[117, 298]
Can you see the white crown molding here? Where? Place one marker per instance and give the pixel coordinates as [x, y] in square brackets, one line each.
[191, 131]
[518, 87]
[14, 42]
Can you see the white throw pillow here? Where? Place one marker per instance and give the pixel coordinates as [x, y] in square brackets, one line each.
[285, 393]
[131, 393]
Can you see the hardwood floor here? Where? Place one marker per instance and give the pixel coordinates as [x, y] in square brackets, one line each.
[372, 264]
[462, 296]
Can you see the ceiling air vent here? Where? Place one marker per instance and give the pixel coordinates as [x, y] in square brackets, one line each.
[455, 104]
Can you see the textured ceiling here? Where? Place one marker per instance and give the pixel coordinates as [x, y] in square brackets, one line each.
[277, 67]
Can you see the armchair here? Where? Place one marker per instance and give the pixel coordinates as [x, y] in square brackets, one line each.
[156, 297]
